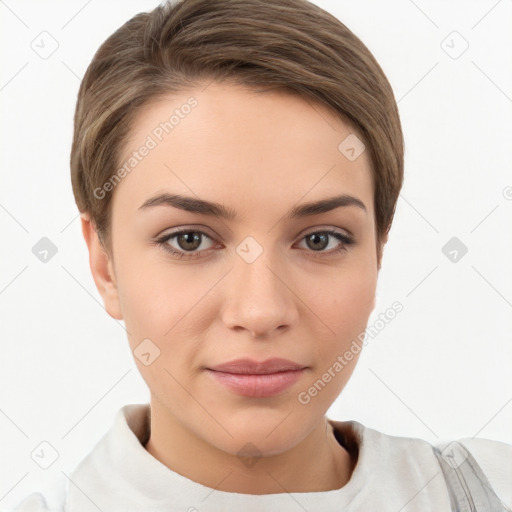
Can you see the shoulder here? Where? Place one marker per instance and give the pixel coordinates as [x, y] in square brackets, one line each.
[495, 460]
[50, 498]
[401, 461]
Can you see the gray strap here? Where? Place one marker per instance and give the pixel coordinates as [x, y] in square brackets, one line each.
[468, 487]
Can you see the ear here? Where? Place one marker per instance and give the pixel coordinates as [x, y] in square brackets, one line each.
[102, 269]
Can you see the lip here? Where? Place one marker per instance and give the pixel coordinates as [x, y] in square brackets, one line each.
[255, 379]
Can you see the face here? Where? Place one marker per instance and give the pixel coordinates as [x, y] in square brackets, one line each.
[270, 279]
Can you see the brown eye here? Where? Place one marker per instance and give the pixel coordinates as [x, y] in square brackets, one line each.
[185, 243]
[318, 241]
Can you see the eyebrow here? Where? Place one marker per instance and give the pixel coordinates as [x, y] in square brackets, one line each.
[200, 206]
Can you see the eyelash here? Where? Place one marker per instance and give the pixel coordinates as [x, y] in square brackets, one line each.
[162, 242]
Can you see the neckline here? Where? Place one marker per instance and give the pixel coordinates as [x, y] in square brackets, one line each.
[349, 439]
[152, 484]
[348, 434]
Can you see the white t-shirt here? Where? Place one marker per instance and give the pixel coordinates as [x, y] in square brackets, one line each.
[392, 474]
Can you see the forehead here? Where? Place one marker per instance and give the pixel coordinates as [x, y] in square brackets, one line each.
[243, 148]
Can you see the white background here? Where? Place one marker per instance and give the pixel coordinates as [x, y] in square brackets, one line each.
[440, 370]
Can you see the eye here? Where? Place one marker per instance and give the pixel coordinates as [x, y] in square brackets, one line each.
[317, 241]
[189, 244]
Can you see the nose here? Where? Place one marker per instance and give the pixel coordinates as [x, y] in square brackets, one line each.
[259, 297]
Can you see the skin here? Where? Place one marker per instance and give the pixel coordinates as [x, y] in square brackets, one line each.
[260, 155]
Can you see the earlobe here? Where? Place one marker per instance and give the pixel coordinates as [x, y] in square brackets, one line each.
[102, 269]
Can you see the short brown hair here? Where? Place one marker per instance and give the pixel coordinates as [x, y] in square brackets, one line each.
[290, 45]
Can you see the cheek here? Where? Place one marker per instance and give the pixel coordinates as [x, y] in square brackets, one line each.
[352, 306]
[165, 307]
[342, 302]
[344, 308]
[158, 301]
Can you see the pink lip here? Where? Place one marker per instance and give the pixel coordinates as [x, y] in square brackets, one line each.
[257, 379]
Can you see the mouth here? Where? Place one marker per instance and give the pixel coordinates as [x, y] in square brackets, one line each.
[255, 379]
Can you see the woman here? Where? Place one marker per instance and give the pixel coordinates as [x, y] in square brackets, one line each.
[237, 165]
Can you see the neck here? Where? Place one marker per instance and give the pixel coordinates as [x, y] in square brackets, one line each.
[317, 463]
